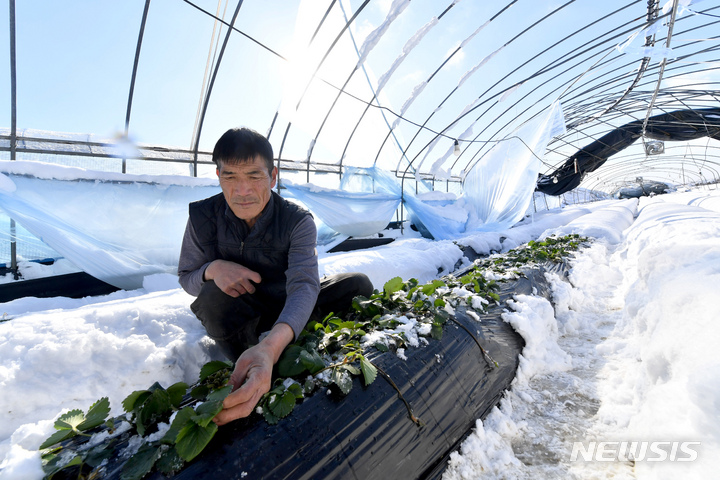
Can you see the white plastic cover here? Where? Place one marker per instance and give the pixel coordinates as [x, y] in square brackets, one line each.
[117, 232]
[358, 213]
[499, 189]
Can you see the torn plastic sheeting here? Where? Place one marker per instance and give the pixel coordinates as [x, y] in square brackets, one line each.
[437, 219]
[90, 224]
[356, 214]
[500, 186]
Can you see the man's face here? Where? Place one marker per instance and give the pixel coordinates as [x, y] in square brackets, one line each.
[247, 187]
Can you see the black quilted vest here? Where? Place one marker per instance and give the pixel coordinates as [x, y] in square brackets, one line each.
[264, 248]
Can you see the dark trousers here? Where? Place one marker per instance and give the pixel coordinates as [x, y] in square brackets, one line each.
[235, 323]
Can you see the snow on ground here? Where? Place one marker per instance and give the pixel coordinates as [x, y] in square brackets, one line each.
[638, 320]
[625, 357]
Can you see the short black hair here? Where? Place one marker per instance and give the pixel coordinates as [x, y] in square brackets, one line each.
[241, 145]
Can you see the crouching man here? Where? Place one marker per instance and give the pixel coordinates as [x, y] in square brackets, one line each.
[250, 258]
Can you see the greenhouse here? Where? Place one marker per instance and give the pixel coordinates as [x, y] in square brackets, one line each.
[440, 107]
[423, 136]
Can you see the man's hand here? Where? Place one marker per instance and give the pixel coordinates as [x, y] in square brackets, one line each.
[232, 278]
[252, 377]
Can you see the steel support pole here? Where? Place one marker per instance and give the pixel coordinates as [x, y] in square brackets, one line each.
[13, 131]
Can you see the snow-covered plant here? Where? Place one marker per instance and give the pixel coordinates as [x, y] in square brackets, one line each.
[161, 429]
[164, 428]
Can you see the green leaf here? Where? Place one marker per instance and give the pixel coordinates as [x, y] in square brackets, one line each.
[312, 361]
[169, 462]
[342, 380]
[99, 454]
[200, 392]
[429, 288]
[289, 364]
[412, 284]
[392, 286]
[220, 394]
[308, 387]
[51, 468]
[152, 410]
[135, 398]
[206, 412]
[211, 407]
[270, 417]
[369, 370]
[381, 347]
[439, 302]
[57, 437]
[96, 415]
[365, 306]
[193, 438]
[441, 316]
[282, 404]
[179, 422]
[351, 368]
[110, 425]
[436, 331]
[176, 392]
[70, 420]
[296, 390]
[140, 464]
[212, 367]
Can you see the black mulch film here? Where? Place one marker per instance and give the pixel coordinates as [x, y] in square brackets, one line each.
[368, 433]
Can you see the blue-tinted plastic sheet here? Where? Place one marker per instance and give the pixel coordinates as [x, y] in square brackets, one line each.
[356, 214]
[116, 232]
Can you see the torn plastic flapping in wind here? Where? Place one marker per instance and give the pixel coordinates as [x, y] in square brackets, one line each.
[435, 214]
[499, 188]
[352, 213]
[116, 232]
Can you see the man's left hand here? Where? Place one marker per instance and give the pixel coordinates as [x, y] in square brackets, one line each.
[252, 377]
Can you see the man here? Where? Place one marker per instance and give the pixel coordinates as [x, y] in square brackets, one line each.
[250, 258]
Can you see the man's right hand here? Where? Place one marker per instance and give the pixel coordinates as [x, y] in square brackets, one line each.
[232, 278]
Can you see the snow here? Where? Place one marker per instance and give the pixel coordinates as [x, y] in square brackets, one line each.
[625, 353]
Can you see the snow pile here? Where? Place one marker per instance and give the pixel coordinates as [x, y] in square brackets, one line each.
[637, 320]
[629, 354]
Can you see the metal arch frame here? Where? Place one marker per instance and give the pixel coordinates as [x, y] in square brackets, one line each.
[673, 97]
[556, 64]
[616, 79]
[13, 130]
[613, 80]
[134, 75]
[367, 107]
[320, 64]
[317, 29]
[196, 141]
[424, 124]
[446, 128]
[369, 104]
[545, 69]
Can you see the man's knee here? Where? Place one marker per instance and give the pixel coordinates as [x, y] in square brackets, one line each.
[362, 284]
[230, 321]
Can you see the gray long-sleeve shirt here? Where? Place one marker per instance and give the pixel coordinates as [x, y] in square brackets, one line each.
[303, 284]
